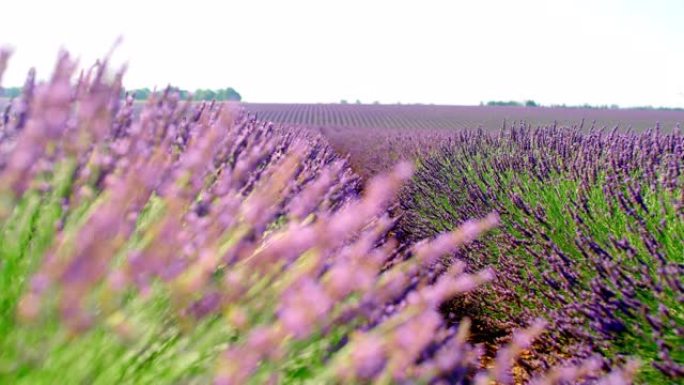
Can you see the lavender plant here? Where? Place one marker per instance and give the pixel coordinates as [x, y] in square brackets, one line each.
[191, 243]
[591, 237]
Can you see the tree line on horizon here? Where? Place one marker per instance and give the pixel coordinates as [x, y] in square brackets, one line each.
[221, 94]
[230, 94]
[532, 103]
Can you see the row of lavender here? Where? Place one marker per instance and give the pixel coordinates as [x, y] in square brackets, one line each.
[376, 136]
[592, 237]
[373, 152]
[193, 244]
[398, 118]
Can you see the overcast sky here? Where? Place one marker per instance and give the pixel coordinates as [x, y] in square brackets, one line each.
[628, 52]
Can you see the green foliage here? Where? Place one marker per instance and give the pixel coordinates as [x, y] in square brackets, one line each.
[141, 94]
[223, 94]
[10, 92]
[167, 352]
[440, 203]
[499, 103]
[220, 94]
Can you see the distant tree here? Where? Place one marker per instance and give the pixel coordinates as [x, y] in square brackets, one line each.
[223, 94]
[358, 101]
[142, 94]
[204, 94]
[183, 94]
[531, 103]
[504, 104]
[10, 92]
[344, 101]
[200, 94]
[230, 94]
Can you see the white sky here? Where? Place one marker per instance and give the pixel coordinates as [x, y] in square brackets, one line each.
[628, 52]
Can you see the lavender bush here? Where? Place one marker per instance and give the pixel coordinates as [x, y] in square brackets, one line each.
[191, 243]
[591, 239]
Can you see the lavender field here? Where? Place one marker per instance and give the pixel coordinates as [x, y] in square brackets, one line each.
[436, 117]
[177, 242]
[377, 136]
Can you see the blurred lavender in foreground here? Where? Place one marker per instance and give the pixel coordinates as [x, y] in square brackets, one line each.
[193, 244]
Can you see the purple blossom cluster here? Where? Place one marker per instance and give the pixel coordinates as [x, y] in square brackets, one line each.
[215, 215]
[377, 136]
[591, 237]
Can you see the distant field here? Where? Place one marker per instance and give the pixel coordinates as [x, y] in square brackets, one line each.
[377, 136]
[435, 117]
[457, 117]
